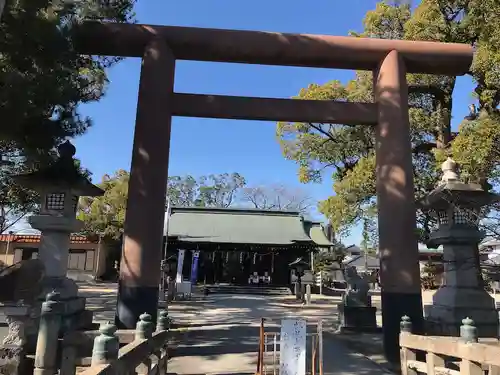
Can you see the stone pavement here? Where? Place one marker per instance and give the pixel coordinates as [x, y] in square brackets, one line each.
[222, 335]
[219, 334]
[100, 299]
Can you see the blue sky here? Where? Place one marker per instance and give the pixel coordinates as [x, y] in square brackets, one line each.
[205, 146]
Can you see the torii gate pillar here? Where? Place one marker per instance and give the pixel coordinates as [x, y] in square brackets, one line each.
[143, 232]
[399, 275]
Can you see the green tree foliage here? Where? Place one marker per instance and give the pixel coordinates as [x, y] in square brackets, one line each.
[43, 80]
[349, 152]
[430, 274]
[16, 201]
[325, 260]
[207, 191]
[105, 215]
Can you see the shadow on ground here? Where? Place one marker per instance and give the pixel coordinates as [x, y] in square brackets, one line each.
[221, 334]
[234, 348]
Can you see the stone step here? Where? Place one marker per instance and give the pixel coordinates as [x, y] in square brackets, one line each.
[255, 290]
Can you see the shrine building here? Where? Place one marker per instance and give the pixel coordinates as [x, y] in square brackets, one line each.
[236, 243]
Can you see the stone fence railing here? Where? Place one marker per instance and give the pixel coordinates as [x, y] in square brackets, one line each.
[433, 355]
[145, 350]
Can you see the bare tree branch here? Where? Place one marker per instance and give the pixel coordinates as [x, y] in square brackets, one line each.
[277, 197]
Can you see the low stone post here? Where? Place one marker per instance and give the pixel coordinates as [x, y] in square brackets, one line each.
[143, 331]
[48, 335]
[308, 294]
[162, 324]
[468, 332]
[406, 354]
[144, 328]
[163, 321]
[405, 325]
[106, 345]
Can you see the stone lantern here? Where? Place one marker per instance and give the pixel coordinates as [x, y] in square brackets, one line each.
[299, 266]
[59, 185]
[455, 206]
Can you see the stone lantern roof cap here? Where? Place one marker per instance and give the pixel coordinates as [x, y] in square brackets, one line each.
[299, 262]
[451, 190]
[62, 174]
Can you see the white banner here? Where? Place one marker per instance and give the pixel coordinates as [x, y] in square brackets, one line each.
[180, 264]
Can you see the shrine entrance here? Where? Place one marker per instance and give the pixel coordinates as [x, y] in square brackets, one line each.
[390, 60]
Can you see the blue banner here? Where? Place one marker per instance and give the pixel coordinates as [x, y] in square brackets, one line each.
[194, 267]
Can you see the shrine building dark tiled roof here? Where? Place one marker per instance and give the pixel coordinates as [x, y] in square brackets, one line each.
[242, 226]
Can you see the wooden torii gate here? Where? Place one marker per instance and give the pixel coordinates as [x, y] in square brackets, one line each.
[390, 60]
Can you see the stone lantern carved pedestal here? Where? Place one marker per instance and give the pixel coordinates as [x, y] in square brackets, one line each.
[19, 287]
[60, 185]
[456, 205]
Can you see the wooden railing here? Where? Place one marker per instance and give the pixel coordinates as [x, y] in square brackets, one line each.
[462, 355]
[146, 355]
[145, 352]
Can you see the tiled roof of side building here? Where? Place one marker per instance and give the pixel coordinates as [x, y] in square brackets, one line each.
[35, 238]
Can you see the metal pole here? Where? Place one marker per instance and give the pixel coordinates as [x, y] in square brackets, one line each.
[98, 258]
[264, 356]
[7, 248]
[261, 347]
[320, 346]
[321, 282]
[313, 355]
[163, 263]
[274, 354]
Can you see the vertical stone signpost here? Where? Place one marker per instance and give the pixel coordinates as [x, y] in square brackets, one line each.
[293, 347]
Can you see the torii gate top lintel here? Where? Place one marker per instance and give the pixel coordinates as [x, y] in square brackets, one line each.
[268, 48]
